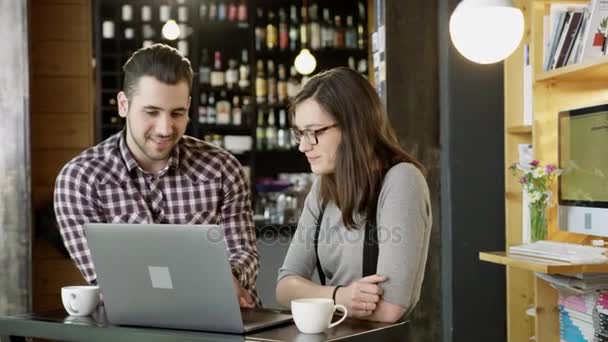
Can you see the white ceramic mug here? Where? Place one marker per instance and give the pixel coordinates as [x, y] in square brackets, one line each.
[313, 315]
[80, 300]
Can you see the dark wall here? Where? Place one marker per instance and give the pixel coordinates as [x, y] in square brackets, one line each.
[412, 83]
[472, 165]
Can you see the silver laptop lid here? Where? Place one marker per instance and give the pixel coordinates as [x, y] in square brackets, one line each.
[172, 276]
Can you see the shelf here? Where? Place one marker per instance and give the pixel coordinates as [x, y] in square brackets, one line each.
[593, 70]
[540, 265]
[225, 129]
[520, 129]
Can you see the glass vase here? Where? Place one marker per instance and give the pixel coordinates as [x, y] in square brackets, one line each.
[538, 222]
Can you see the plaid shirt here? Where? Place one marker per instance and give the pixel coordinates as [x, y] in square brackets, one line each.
[201, 184]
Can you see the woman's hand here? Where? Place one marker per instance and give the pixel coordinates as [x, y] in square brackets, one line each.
[362, 296]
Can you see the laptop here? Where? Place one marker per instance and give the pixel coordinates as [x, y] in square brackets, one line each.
[171, 276]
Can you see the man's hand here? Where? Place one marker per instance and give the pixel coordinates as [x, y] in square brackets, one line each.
[362, 296]
[245, 300]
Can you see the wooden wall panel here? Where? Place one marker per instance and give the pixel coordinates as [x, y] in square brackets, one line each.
[59, 22]
[61, 131]
[61, 58]
[48, 164]
[61, 95]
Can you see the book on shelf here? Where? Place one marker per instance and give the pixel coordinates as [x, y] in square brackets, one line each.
[595, 35]
[528, 80]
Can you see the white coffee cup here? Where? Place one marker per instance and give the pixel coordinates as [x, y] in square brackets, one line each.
[313, 315]
[80, 300]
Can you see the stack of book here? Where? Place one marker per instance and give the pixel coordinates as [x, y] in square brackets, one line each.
[575, 33]
[576, 321]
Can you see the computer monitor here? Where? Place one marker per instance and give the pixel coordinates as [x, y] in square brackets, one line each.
[583, 156]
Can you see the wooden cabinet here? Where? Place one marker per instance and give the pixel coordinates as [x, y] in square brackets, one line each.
[573, 86]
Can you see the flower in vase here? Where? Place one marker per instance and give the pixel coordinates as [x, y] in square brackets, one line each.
[539, 172]
[535, 196]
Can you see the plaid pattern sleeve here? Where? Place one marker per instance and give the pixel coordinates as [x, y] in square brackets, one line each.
[74, 206]
[237, 223]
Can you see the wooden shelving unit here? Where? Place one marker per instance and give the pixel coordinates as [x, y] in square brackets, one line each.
[573, 86]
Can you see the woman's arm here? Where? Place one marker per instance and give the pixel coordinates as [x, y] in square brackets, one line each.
[294, 287]
[386, 313]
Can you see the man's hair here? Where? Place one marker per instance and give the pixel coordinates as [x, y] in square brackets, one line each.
[160, 61]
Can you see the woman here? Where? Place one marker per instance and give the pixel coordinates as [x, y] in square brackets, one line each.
[371, 198]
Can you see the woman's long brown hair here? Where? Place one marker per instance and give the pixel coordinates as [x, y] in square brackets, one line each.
[369, 145]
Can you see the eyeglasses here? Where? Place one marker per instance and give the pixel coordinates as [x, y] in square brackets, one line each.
[310, 135]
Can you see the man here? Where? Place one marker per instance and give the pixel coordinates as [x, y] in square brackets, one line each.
[152, 173]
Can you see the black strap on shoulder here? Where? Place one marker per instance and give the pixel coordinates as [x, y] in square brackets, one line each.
[316, 242]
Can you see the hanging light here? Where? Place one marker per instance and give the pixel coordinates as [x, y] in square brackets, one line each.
[170, 30]
[305, 63]
[486, 31]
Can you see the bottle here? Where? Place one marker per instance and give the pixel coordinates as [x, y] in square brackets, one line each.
[361, 27]
[242, 12]
[272, 38]
[272, 83]
[217, 74]
[260, 132]
[350, 37]
[338, 33]
[204, 70]
[283, 138]
[247, 111]
[282, 84]
[271, 132]
[362, 67]
[221, 10]
[223, 109]
[232, 11]
[237, 113]
[283, 30]
[232, 74]
[202, 109]
[182, 14]
[204, 11]
[211, 113]
[293, 28]
[260, 30]
[260, 82]
[146, 13]
[304, 30]
[327, 30]
[351, 63]
[315, 28]
[244, 70]
[212, 11]
[293, 85]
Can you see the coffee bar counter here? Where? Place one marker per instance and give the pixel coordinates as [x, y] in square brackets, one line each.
[61, 327]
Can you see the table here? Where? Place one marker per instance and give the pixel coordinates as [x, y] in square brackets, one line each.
[57, 325]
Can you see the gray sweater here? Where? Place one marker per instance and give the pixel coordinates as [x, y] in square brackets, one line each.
[404, 225]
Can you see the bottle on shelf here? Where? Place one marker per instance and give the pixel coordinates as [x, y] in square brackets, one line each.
[362, 67]
[204, 69]
[272, 33]
[244, 70]
[223, 109]
[202, 109]
[338, 33]
[212, 11]
[260, 30]
[351, 63]
[315, 28]
[247, 112]
[222, 11]
[271, 132]
[361, 26]
[237, 113]
[204, 11]
[283, 137]
[242, 12]
[304, 29]
[232, 74]
[182, 14]
[350, 36]
[282, 84]
[164, 13]
[146, 13]
[211, 111]
[271, 83]
[293, 28]
[293, 84]
[283, 30]
[260, 132]
[126, 12]
[217, 74]
[327, 30]
[261, 89]
[232, 11]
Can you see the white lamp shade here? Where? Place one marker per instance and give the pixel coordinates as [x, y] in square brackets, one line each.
[170, 30]
[486, 31]
[305, 63]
